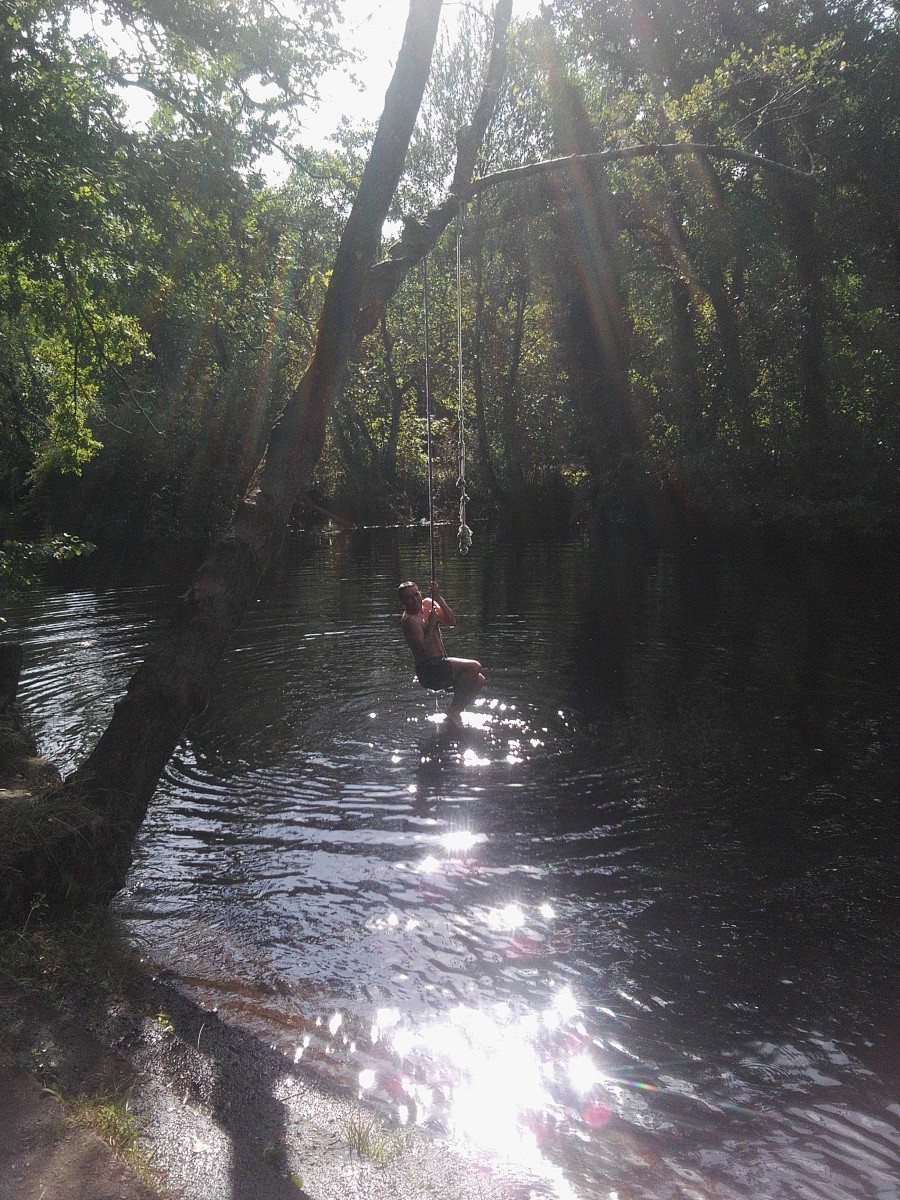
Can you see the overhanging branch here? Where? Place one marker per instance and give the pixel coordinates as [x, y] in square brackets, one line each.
[420, 237]
[550, 166]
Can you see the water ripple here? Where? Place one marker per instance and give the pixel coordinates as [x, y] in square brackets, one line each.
[631, 930]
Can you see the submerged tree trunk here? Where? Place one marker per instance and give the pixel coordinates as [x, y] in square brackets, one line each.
[112, 788]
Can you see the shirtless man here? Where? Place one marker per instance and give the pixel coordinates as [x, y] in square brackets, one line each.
[421, 623]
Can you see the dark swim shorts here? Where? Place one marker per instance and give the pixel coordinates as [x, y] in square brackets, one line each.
[435, 674]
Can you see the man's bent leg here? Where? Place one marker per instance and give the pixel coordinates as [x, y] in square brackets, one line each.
[467, 683]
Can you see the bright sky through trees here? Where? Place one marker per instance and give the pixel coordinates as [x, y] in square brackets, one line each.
[374, 28]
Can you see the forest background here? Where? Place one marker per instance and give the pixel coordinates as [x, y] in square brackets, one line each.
[676, 338]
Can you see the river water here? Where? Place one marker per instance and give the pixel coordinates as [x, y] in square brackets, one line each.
[633, 934]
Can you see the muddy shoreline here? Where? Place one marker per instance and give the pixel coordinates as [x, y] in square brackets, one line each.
[223, 1116]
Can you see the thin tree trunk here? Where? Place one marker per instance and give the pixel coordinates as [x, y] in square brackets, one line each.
[389, 451]
[512, 439]
[797, 210]
[489, 475]
[723, 243]
[683, 286]
[734, 371]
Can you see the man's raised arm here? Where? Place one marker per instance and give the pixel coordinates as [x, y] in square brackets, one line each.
[445, 613]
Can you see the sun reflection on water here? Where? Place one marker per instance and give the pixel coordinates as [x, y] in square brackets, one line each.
[471, 758]
[509, 917]
[461, 841]
[507, 1079]
[497, 1079]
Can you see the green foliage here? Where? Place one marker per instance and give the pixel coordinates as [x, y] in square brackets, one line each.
[21, 561]
[108, 1116]
[672, 323]
[162, 1021]
[120, 244]
[762, 312]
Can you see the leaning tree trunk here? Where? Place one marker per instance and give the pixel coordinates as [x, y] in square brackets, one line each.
[85, 854]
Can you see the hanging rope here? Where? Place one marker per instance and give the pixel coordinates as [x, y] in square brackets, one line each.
[464, 534]
[428, 418]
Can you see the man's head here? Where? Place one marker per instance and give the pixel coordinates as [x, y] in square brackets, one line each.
[410, 596]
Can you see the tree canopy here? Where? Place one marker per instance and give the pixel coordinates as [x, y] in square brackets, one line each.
[114, 236]
[668, 330]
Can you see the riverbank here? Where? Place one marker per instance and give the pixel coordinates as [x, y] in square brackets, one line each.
[192, 1108]
[118, 1087]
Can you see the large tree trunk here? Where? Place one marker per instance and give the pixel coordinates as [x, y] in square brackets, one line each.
[597, 330]
[110, 791]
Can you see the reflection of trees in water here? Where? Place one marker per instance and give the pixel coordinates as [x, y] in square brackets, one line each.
[433, 773]
[731, 674]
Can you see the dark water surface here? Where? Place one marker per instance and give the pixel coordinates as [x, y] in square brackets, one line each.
[635, 932]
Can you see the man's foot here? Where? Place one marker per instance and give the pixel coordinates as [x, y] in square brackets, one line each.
[454, 718]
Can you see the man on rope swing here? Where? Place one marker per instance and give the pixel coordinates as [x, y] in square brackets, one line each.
[421, 624]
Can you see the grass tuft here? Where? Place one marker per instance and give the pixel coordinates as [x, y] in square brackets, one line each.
[366, 1137]
[109, 1117]
[56, 957]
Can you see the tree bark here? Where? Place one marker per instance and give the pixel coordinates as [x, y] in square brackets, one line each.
[597, 323]
[661, 150]
[420, 237]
